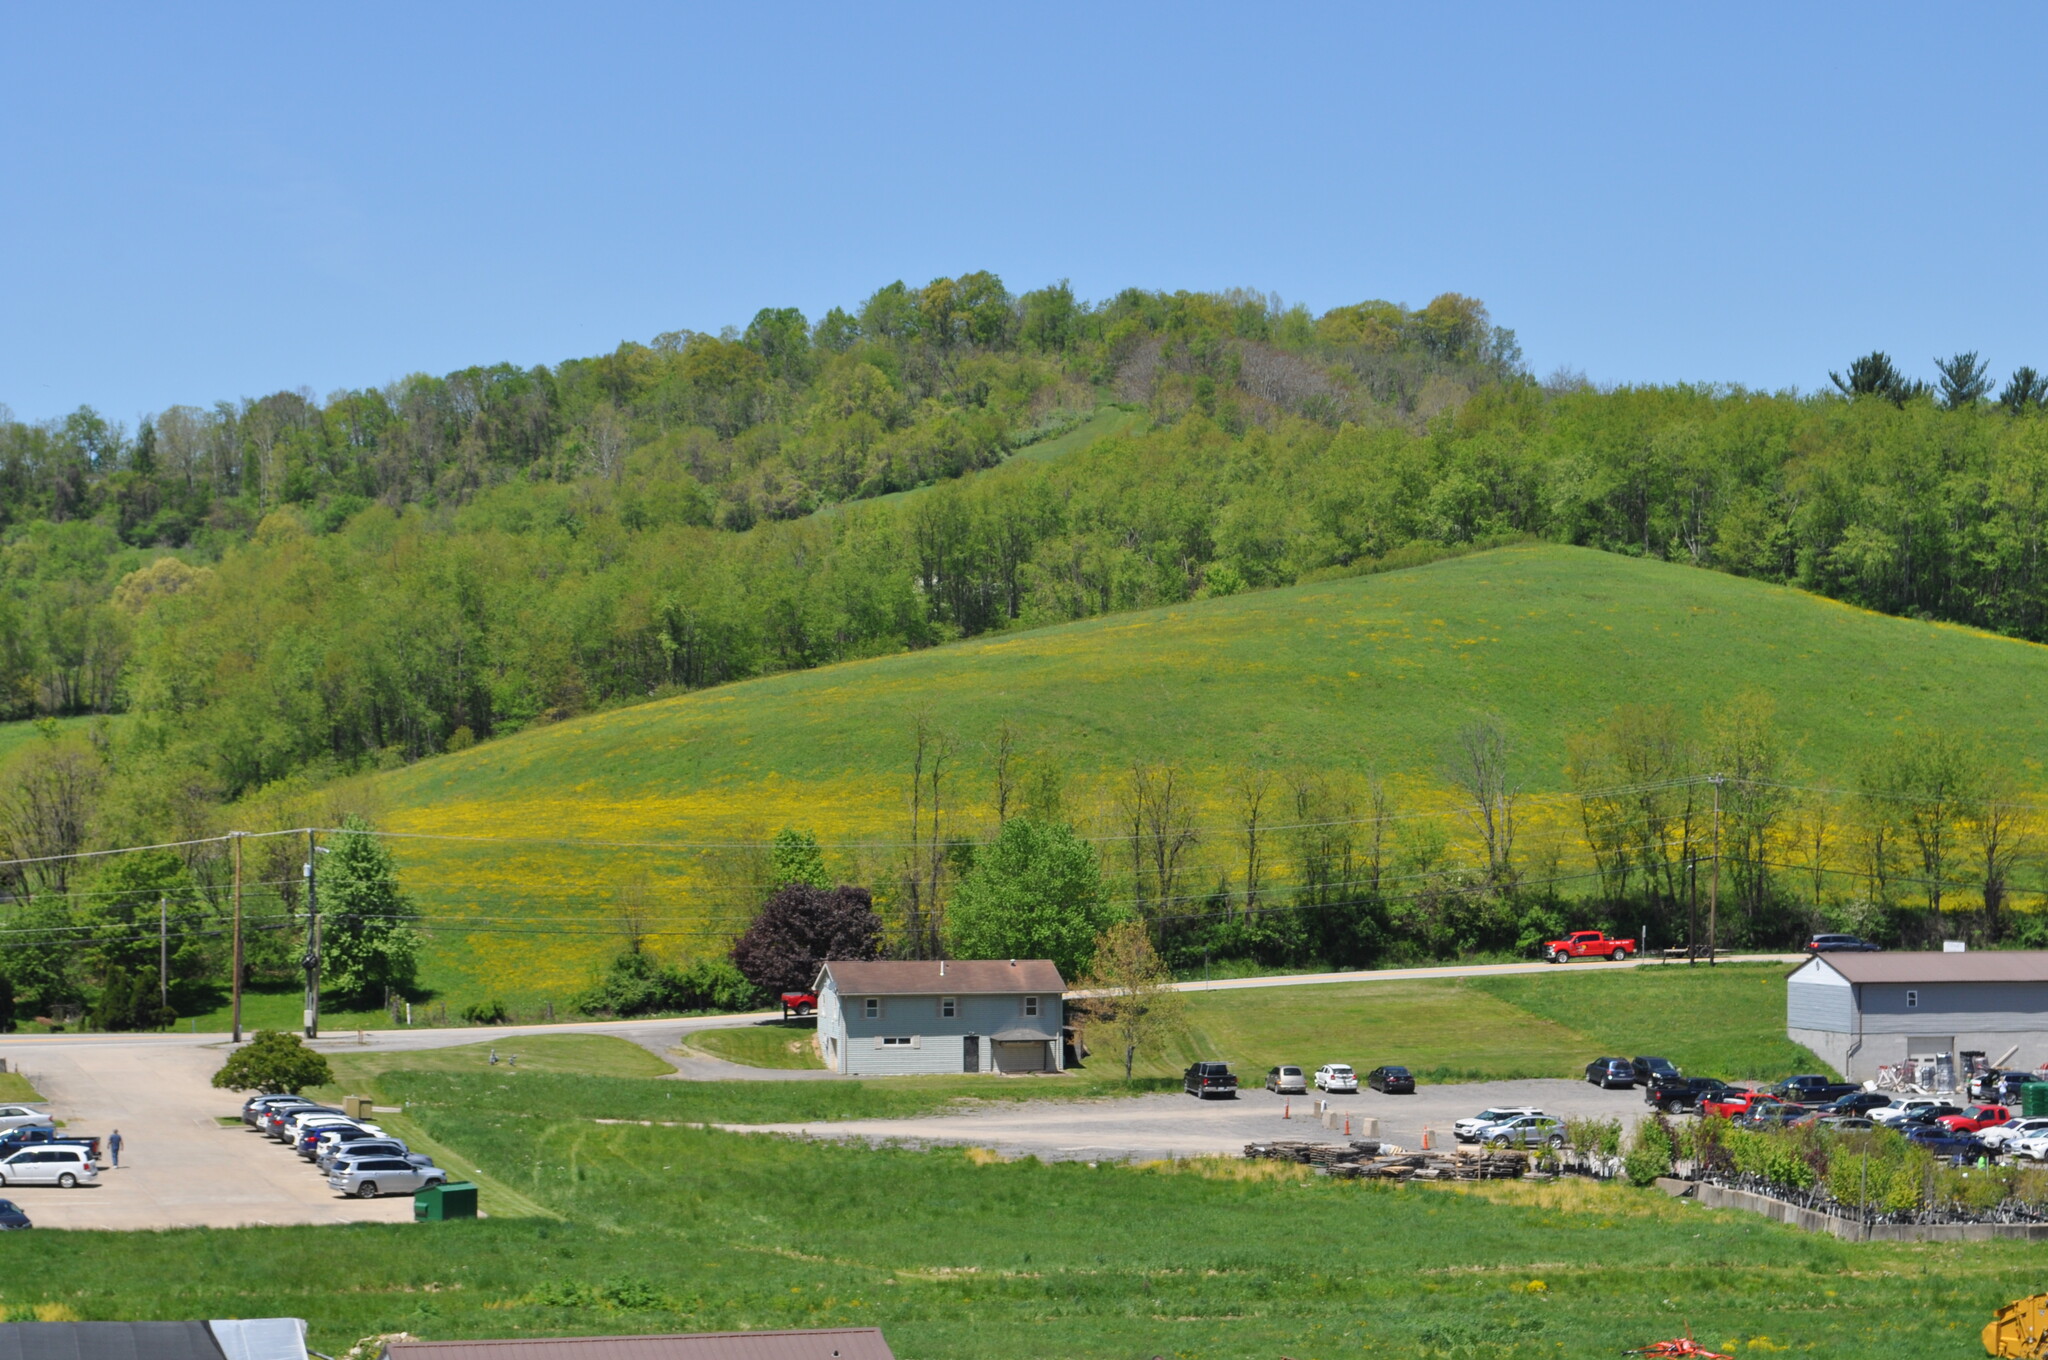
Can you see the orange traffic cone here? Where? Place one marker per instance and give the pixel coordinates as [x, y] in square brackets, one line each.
[1286, 1111]
[1347, 1126]
[1425, 1137]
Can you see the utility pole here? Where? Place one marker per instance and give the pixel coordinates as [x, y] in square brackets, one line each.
[163, 953]
[1692, 910]
[235, 840]
[1714, 887]
[312, 959]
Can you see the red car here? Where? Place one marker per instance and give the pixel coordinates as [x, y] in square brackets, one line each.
[1976, 1119]
[1588, 944]
[1731, 1104]
[799, 1003]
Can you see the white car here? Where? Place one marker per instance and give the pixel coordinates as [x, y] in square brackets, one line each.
[1466, 1130]
[64, 1166]
[1902, 1106]
[1336, 1077]
[14, 1117]
[2032, 1146]
[1998, 1136]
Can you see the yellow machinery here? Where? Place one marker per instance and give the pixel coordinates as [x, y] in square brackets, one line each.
[2020, 1329]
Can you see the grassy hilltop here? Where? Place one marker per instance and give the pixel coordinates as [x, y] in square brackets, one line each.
[1380, 670]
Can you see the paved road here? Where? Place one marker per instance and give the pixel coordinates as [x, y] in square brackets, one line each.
[1462, 970]
[1152, 1127]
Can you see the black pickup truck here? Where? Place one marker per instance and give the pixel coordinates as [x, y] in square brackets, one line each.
[1681, 1095]
[1210, 1079]
[1813, 1090]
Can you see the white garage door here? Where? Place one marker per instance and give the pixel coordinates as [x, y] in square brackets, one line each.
[1021, 1057]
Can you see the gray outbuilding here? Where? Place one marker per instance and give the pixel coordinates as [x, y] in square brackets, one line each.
[1863, 1011]
[896, 1016]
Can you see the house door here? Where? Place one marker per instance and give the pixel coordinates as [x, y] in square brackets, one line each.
[970, 1053]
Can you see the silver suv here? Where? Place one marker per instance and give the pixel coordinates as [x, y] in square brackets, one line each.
[369, 1177]
[375, 1147]
[1529, 1130]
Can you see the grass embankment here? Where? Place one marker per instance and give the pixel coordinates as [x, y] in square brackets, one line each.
[14, 1086]
[677, 1229]
[773, 1043]
[1552, 639]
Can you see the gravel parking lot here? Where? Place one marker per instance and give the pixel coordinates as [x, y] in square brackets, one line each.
[1149, 1127]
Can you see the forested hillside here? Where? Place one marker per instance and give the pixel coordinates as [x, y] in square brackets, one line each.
[286, 589]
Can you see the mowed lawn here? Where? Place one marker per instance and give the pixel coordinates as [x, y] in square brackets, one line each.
[1377, 672]
[1727, 1021]
[772, 1043]
[635, 1228]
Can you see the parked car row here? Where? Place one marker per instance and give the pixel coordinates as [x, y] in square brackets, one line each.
[33, 1152]
[357, 1157]
[1206, 1079]
[1626, 1072]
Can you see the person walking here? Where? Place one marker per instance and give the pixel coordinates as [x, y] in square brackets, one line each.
[114, 1148]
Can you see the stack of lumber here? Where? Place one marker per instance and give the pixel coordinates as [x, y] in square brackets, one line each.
[1384, 1161]
[1313, 1154]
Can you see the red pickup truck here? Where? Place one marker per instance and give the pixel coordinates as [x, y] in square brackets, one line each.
[798, 1003]
[1976, 1119]
[1588, 944]
[1732, 1104]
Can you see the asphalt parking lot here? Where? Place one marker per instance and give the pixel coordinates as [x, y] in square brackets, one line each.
[180, 1167]
[1145, 1128]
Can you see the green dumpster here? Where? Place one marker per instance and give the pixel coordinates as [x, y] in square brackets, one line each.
[449, 1199]
[2034, 1099]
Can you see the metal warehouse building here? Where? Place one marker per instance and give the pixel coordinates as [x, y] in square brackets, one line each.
[1863, 1011]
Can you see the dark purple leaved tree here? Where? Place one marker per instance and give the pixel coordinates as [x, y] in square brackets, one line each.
[799, 929]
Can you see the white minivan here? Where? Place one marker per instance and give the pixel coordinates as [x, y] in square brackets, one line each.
[65, 1166]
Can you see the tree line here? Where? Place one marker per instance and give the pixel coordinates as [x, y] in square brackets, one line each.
[289, 589]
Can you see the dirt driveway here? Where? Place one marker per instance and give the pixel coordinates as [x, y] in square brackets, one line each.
[1152, 1127]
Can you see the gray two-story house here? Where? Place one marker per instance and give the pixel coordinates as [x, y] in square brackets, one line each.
[893, 1017]
[1860, 1011]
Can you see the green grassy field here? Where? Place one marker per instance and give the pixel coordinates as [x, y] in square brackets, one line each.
[1727, 1022]
[771, 1044]
[628, 1228]
[14, 1086]
[1345, 674]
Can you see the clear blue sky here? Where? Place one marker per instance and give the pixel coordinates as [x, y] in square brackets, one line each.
[202, 204]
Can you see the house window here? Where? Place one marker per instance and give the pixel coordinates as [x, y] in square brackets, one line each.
[949, 1007]
[1912, 1000]
[1031, 1005]
[896, 1041]
[872, 1008]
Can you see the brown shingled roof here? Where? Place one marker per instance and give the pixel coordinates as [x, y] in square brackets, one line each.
[923, 977]
[1920, 965]
[846, 1343]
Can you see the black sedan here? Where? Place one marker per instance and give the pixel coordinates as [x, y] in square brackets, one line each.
[11, 1216]
[1858, 1103]
[1394, 1080]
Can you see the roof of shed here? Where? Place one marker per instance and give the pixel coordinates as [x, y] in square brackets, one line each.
[1975, 965]
[847, 1343]
[953, 977]
[107, 1341]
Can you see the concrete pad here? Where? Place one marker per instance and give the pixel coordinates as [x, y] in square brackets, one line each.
[1145, 1128]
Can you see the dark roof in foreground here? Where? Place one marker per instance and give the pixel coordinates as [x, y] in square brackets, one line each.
[845, 1343]
[1920, 965]
[924, 977]
[107, 1341]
